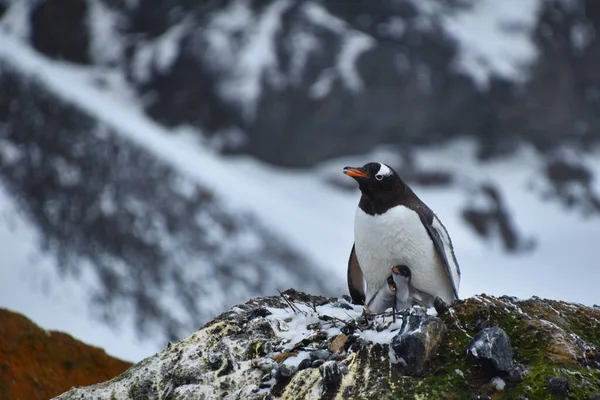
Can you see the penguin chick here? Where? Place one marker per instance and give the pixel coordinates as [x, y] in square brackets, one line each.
[395, 293]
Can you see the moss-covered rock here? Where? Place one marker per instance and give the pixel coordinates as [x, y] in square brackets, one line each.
[279, 347]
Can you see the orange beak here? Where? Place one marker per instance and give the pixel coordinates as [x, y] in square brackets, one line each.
[355, 172]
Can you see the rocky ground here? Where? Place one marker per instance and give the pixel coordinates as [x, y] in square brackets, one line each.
[38, 364]
[297, 346]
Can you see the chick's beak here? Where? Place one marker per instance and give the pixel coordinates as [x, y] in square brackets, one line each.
[355, 172]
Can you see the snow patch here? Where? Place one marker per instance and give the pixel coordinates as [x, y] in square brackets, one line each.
[105, 25]
[159, 53]
[495, 38]
[498, 383]
[257, 57]
[15, 21]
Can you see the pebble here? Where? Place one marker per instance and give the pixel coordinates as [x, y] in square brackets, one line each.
[320, 354]
[317, 363]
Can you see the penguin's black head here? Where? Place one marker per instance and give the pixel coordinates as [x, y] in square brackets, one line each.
[379, 183]
[402, 270]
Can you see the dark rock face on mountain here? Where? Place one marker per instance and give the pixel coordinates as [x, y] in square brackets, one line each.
[307, 80]
[298, 346]
[154, 238]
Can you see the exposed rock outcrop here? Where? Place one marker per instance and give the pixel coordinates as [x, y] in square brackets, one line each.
[39, 364]
[298, 346]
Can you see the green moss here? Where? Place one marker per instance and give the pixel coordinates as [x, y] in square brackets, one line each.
[255, 349]
[530, 346]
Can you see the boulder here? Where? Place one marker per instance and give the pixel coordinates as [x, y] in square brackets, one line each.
[239, 354]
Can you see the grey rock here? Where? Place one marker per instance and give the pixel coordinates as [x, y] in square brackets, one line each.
[306, 363]
[332, 376]
[322, 354]
[558, 385]
[266, 364]
[417, 341]
[491, 347]
[317, 363]
[287, 370]
[343, 368]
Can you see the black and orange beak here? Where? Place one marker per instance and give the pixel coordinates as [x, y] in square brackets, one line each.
[355, 172]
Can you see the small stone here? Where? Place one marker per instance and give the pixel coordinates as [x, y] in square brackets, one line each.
[491, 347]
[516, 374]
[317, 363]
[347, 330]
[347, 298]
[265, 385]
[334, 357]
[343, 304]
[320, 354]
[258, 312]
[287, 370]
[558, 385]
[337, 344]
[306, 363]
[214, 360]
[281, 357]
[266, 364]
[267, 348]
[332, 376]
[343, 368]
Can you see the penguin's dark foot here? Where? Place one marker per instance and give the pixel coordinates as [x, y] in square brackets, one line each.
[440, 305]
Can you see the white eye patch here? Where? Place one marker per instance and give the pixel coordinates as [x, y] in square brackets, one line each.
[384, 170]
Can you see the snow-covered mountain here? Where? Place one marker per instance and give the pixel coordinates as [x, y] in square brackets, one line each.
[118, 120]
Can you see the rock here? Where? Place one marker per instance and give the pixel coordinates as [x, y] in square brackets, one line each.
[281, 357]
[258, 312]
[332, 376]
[491, 347]
[417, 341]
[39, 364]
[267, 364]
[287, 370]
[558, 385]
[320, 354]
[337, 344]
[306, 363]
[595, 397]
[418, 357]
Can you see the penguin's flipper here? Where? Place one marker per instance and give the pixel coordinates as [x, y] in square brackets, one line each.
[443, 246]
[355, 279]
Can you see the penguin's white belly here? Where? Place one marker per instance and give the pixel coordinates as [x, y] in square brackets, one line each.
[398, 237]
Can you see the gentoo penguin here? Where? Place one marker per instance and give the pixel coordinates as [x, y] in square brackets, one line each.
[393, 226]
[395, 293]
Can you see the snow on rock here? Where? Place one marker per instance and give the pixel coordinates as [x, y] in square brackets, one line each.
[494, 38]
[15, 21]
[256, 59]
[106, 33]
